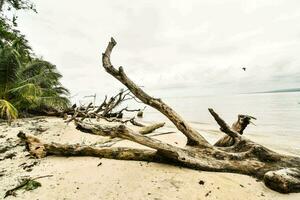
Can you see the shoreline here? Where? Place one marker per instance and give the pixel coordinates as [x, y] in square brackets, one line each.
[82, 178]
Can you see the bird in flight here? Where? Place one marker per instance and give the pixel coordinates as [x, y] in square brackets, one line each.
[244, 68]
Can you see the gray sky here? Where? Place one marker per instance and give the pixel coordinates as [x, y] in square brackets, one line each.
[171, 47]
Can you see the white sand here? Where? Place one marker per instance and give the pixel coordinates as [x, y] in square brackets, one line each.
[81, 178]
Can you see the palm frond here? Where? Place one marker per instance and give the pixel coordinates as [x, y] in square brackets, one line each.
[30, 92]
[57, 90]
[40, 72]
[56, 102]
[36, 67]
[9, 65]
[7, 110]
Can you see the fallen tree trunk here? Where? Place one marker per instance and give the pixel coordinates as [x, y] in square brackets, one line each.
[40, 150]
[243, 156]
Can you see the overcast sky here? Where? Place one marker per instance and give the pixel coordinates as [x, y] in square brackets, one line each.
[171, 47]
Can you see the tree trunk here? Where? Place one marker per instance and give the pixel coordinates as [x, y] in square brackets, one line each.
[279, 172]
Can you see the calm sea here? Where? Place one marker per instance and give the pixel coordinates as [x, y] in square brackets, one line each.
[277, 124]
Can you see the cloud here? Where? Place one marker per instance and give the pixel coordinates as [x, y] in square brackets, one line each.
[193, 46]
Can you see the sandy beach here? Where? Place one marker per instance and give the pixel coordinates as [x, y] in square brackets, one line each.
[95, 178]
[182, 92]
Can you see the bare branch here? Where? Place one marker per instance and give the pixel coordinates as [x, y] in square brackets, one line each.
[135, 123]
[122, 131]
[194, 138]
[120, 153]
[223, 126]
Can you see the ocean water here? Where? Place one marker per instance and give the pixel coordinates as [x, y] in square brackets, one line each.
[277, 124]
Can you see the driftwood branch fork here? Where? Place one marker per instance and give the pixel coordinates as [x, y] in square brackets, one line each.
[233, 153]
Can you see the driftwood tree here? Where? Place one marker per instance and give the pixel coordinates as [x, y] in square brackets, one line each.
[240, 155]
[109, 108]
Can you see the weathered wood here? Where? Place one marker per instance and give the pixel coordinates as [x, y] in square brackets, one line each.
[106, 110]
[149, 129]
[223, 126]
[284, 180]
[120, 153]
[194, 138]
[254, 160]
[98, 129]
[243, 156]
[239, 126]
[135, 123]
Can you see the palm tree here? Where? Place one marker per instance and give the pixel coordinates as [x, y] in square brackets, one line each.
[28, 84]
[8, 70]
[39, 88]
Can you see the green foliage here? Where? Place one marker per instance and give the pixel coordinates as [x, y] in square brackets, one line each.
[7, 110]
[32, 185]
[8, 66]
[30, 84]
[20, 4]
[26, 184]
[27, 83]
[11, 6]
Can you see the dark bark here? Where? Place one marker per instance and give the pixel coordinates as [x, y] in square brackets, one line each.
[279, 172]
[239, 126]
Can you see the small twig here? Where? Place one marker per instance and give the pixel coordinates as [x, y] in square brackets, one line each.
[164, 133]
